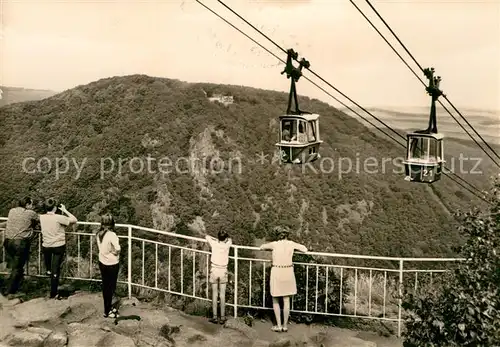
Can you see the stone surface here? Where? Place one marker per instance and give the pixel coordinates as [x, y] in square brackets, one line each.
[328, 339]
[129, 302]
[33, 336]
[235, 338]
[114, 339]
[56, 339]
[260, 343]
[128, 327]
[239, 325]
[44, 333]
[39, 311]
[281, 342]
[25, 339]
[83, 335]
[351, 342]
[149, 341]
[78, 322]
[80, 312]
[6, 323]
[12, 302]
[3, 300]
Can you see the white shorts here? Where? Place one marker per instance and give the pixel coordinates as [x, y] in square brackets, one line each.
[218, 275]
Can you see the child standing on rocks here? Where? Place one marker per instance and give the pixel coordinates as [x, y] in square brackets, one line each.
[218, 273]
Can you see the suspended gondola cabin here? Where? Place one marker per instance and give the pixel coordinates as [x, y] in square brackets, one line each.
[424, 150]
[424, 158]
[299, 139]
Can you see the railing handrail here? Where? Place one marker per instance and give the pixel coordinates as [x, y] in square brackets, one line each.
[254, 248]
[400, 271]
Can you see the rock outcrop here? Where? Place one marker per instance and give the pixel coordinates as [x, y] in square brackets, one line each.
[77, 322]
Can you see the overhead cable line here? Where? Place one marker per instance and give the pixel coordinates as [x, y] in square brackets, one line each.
[329, 84]
[267, 50]
[305, 77]
[422, 69]
[311, 71]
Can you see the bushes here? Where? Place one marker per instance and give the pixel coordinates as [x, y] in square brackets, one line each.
[325, 300]
[328, 296]
[465, 310]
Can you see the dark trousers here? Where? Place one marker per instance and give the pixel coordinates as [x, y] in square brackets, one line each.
[109, 276]
[17, 251]
[54, 256]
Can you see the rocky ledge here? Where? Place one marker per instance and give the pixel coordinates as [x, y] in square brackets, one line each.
[77, 322]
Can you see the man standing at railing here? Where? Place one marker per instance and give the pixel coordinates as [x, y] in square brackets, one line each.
[218, 273]
[19, 232]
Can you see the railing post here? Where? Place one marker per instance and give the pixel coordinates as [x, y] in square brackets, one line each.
[3, 243]
[129, 262]
[235, 281]
[40, 254]
[400, 300]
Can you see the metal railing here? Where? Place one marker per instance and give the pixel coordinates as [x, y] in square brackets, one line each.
[328, 284]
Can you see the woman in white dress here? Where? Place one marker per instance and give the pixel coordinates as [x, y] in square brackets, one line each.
[282, 279]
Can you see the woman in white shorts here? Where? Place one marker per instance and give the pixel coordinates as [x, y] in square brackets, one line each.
[218, 273]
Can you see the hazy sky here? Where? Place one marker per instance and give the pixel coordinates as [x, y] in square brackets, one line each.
[60, 44]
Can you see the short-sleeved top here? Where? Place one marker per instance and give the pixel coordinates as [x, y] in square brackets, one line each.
[53, 229]
[283, 251]
[20, 223]
[220, 251]
[107, 246]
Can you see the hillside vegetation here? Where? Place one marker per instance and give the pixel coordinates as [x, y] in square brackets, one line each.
[140, 116]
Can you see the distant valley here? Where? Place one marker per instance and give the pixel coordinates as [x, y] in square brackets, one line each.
[486, 122]
[10, 95]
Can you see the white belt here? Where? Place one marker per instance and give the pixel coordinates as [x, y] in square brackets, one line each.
[219, 266]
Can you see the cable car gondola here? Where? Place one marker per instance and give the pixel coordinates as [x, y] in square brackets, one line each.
[424, 150]
[299, 139]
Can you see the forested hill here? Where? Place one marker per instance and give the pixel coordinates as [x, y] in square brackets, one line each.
[145, 119]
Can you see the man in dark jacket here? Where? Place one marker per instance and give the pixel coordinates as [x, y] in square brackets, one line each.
[19, 232]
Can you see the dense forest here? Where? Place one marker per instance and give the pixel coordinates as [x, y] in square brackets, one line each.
[111, 136]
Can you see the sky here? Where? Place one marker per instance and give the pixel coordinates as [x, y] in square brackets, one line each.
[58, 45]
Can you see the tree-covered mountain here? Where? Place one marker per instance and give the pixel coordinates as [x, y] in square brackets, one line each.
[114, 132]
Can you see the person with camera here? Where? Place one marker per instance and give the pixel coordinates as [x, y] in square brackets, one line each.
[53, 227]
[19, 232]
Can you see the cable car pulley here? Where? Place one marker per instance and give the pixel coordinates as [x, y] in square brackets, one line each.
[424, 150]
[299, 139]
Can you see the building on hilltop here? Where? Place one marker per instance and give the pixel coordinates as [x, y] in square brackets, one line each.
[223, 99]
